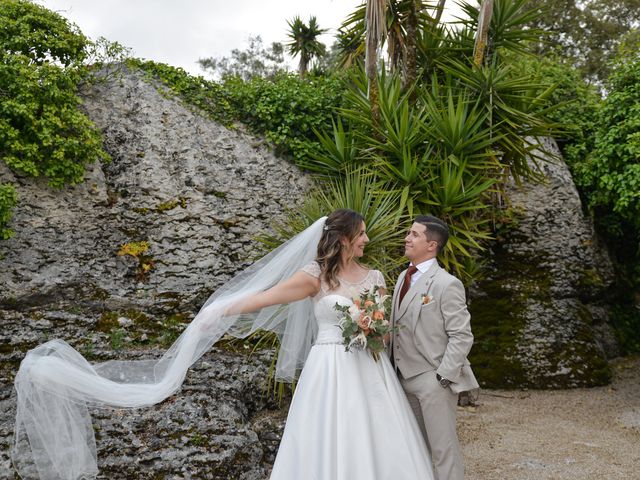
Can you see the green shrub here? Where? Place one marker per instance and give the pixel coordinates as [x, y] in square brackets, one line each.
[287, 109]
[626, 320]
[575, 105]
[612, 172]
[42, 130]
[609, 175]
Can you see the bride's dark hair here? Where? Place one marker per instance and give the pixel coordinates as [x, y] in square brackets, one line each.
[341, 223]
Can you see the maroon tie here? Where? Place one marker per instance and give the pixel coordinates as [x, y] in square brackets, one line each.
[407, 282]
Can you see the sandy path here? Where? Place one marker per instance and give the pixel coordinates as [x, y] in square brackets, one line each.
[566, 434]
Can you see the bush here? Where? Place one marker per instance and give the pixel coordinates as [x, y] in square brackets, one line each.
[576, 104]
[287, 109]
[42, 130]
[612, 172]
[609, 176]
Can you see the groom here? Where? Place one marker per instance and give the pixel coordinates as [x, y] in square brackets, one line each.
[429, 350]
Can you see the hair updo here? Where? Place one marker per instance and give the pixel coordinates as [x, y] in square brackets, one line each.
[340, 224]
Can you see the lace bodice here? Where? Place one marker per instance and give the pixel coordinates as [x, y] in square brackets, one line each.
[327, 316]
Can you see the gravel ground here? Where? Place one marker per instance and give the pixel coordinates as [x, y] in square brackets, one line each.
[556, 435]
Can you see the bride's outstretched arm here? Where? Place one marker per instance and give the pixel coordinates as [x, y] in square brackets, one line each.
[300, 285]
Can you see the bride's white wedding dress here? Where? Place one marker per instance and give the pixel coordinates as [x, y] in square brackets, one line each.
[349, 418]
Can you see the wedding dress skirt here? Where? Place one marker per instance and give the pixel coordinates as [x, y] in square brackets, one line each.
[349, 418]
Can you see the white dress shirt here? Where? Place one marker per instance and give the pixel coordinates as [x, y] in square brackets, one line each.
[422, 267]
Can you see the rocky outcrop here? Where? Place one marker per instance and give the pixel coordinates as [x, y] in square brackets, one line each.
[222, 424]
[540, 315]
[195, 191]
[117, 264]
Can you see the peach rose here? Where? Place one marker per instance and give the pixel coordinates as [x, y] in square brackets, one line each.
[364, 322]
[378, 315]
[368, 303]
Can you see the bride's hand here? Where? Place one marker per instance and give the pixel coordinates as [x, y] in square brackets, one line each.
[209, 317]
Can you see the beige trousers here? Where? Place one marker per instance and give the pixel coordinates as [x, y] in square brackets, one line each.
[435, 408]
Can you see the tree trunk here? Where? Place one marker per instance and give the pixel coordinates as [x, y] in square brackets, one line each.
[439, 10]
[372, 79]
[410, 64]
[375, 18]
[482, 35]
[302, 66]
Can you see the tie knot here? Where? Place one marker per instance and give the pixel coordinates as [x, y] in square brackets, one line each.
[412, 269]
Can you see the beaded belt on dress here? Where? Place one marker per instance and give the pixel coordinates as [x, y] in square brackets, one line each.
[335, 342]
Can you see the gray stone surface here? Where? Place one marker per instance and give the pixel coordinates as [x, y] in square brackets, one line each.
[541, 314]
[198, 193]
[206, 430]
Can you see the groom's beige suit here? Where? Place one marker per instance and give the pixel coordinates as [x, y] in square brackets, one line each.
[434, 337]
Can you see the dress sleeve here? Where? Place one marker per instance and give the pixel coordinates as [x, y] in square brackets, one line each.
[378, 279]
[312, 269]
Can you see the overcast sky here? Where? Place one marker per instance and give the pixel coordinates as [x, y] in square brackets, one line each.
[179, 32]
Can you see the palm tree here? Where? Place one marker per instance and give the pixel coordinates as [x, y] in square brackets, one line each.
[304, 41]
[394, 22]
[445, 149]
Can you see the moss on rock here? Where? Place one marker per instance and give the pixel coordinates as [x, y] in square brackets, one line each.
[527, 337]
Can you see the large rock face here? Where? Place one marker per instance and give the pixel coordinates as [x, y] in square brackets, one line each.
[197, 193]
[539, 315]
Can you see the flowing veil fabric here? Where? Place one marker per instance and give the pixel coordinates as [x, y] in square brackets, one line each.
[56, 385]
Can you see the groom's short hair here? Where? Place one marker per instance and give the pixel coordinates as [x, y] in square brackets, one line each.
[436, 230]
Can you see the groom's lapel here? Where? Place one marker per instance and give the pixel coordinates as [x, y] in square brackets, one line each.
[396, 292]
[394, 306]
[420, 287]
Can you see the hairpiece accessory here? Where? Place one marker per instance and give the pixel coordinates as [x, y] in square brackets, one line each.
[326, 228]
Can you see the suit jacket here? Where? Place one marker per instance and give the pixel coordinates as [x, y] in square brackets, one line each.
[440, 328]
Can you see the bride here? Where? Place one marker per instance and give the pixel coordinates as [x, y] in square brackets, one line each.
[349, 418]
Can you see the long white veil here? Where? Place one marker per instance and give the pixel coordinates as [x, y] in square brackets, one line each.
[56, 385]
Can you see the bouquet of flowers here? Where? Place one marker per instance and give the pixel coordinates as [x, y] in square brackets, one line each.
[366, 322]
